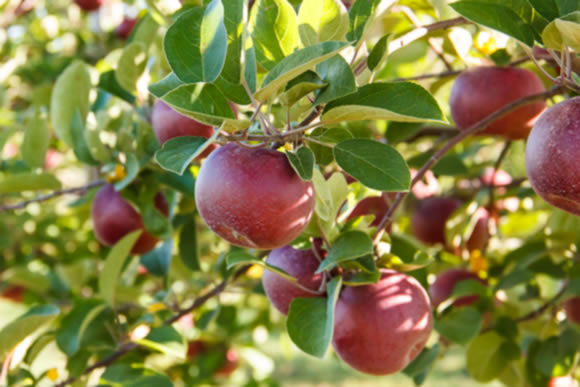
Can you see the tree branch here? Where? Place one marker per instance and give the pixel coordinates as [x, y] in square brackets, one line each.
[419, 32]
[76, 190]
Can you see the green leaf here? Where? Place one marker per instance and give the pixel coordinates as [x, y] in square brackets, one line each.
[460, 325]
[29, 182]
[131, 171]
[164, 86]
[362, 15]
[188, 250]
[310, 321]
[145, 30]
[302, 162]
[131, 65]
[497, 16]
[552, 9]
[234, 20]
[79, 140]
[177, 153]
[374, 164]
[301, 86]
[183, 183]
[378, 53]
[295, 64]
[114, 262]
[339, 76]
[36, 139]
[72, 327]
[239, 257]
[196, 44]
[158, 260]
[322, 20]
[165, 339]
[273, 26]
[402, 101]
[108, 82]
[22, 327]
[350, 245]
[70, 94]
[485, 361]
[422, 363]
[562, 32]
[361, 278]
[323, 154]
[150, 381]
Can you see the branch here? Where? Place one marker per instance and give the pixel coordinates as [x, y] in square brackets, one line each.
[538, 312]
[387, 219]
[76, 190]
[419, 32]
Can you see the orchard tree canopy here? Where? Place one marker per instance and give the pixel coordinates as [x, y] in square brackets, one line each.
[192, 192]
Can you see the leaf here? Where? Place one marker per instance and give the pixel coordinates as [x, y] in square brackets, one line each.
[150, 381]
[498, 17]
[339, 76]
[36, 139]
[374, 164]
[165, 339]
[239, 257]
[131, 65]
[131, 171]
[485, 360]
[70, 93]
[273, 27]
[562, 32]
[310, 321]
[302, 162]
[295, 64]
[323, 154]
[196, 44]
[362, 15]
[72, 327]
[402, 101]
[22, 327]
[301, 86]
[79, 141]
[183, 183]
[378, 53]
[177, 153]
[233, 20]
[460, 325]
[108, 82]
[188, 250]
[114, 262]
[164, 86]
[321, 21]
[145, 30]
[29, 182]
[158, 260]
[361, 278]
[552, 9]
[350, 245]
[422, 363]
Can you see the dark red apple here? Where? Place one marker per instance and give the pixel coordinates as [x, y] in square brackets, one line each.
[553, 156]
[379, 329]
[572, 309]
[89, 5]
[480, 233]
[374, 205]
[113, 218]
[124, 29]
[252, 197]
[563, 381]
[300, 264]
[196, 348]
[480, 92]
[446, 281]
[429, 218]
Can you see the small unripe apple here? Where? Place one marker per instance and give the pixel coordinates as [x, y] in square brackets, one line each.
[300, 264]
[572, 309]
[446, 281]
[379, 329]
[563, 381]
[113, 218]
[252, 197]
[482, 91]
[89, 5]
[124, 29]
[553, 156]
[429, 218]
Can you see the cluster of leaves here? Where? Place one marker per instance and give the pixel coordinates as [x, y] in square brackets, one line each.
[316, 78]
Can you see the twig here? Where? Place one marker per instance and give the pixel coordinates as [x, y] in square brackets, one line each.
[419, 32]
[498, 162]
[538, 312]
[76, 190]
[478, 126]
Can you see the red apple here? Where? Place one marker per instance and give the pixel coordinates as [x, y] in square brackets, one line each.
[89, 5]
[446, 281]
[426, 187]
[252, 197]
[196, 348]
[300, 264]
[53, 159]
[480, 233]
[553, 156]
[379, 329]
[563, 381]
[374, 205]
[124, 29]
[572, 309]
[429, 218]
[13, 293]
[230, 365]
[480, 92]
[113, 218]
[498, 178]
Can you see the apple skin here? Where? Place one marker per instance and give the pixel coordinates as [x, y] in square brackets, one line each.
[300, 264]
[252, 197]
[572, 309]
[89, 5]
[480, 234]
[123, 30]
[429, 218]
[113, 218]
[444, 284]
[374, 205]
[563, 381]
[480, 92]
[553, 156]
[380, 328]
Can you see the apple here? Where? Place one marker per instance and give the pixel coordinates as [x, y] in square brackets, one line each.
[426, 187]
[89, 5]
[252, 197]
[572, 309]
[14, 293]
[563, 381]
[300, 264]
[497, 178]
[230, 364]
[446, 281]
[196, 348]
[479, 92]
[480, 233]
[374, 205]
[380, 328]
[113, 218]
[429, 218]
[123, 30]
[553, 156]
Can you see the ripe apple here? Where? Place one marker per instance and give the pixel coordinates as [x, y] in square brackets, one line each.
[252, 197]
[379, 329]
[498, 178]
[429, 218]
[13, 293]
[89, 5]
[563, 381]
[480, 92]
[123, 30]
[374, 205]
[480, 233]
[446, 281]
[553, 156]
[196, 348]
[572, 309]
[113, 218]
[230, 364]
[300, 264]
